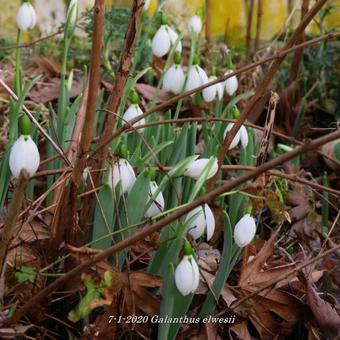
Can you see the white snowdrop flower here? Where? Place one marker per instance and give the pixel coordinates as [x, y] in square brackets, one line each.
[26, 17]
[187, 275]
[241, 135]
[162, 41]
[157, 205]
[174, 79]
[195, 24]
[122, 172]
[196, 168]
[132, 112]
[210, 93]
[24, 154]
[231, 84]
[196, 77]
[201, 220]
[245, 230]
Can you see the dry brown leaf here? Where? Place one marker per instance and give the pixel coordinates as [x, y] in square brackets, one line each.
[241, 330]
[324, 313]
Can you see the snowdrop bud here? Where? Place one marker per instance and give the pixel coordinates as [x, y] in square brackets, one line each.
[195, 24]
[122, 172]
[196, 77]
[71, 18]
[245, 230]
[174, 79]
[26, 17]
[187, 275]
[132, 112]
[231, 84]
[24, 154]
[196, 168]
[164, 38]
[157, 205]
[209, 93]
[201, 220]
[241, 135]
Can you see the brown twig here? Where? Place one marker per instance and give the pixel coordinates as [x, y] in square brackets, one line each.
[98, 160]
[66, 210]
[258, 25]
[156, 227]
[241, 70]
[248, 34]
[208, 21]
[59, 31]
[265, 82]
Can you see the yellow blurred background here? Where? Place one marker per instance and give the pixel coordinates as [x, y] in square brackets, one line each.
[227, 16]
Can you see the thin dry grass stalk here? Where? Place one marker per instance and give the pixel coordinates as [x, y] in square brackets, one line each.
[258, 25]
[248, 34]
[156, 227]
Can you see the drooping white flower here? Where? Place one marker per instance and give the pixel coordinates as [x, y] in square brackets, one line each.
[245, 230]
[187, 275]
[26, 17]
[24, 154]
[174, 79]
[241, 135]
[196, 77]
[210, 93]
[157, 205]
[231, 84]
[162, 41]
[122, 172]
[195, 24]
[132, 112]
[196, 168]
[201, 220]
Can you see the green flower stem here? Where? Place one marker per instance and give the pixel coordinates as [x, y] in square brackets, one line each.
[18, 72]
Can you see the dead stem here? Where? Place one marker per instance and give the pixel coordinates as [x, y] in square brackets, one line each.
[9, 227]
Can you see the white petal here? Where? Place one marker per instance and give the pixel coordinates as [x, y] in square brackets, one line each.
[245, 230]
[195, 24]
[33, 16]
[194, 79]
[210, 221]
[237, 137]
[195, 168]
[173, 37]
[202, 74]
[24, 17]
[185, 276]
[122, 172]
[132, 112]
[244, 136]
[209, 93]
[197, 224]
[24, 155]
[220, 90]
[231, 85]
[161, 42]
[174, 79]
[158, 205]
[195, 275]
